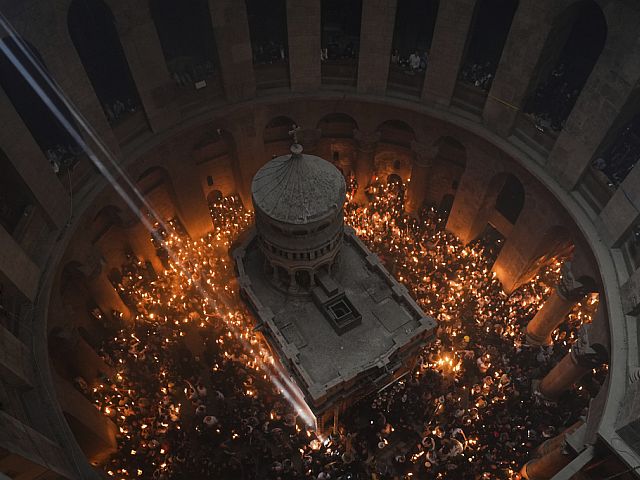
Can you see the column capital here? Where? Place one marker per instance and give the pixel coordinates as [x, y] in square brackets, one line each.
[569, 287]
[424, 154]
[366, 140]
[585, 353]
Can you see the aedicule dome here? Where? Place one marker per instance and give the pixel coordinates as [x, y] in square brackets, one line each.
[298, 188]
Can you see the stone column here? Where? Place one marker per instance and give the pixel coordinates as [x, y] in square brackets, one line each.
[139, 239]
[553, 443]
[556, 308]
[447, 50]
[303, 28]
[191, 202]
[524, 46]
[473, 197]
[23, 444]
[420, 170]
[17, 267]
[71, 351]
[546, 466]
[95, 432]
[366, 150]
[16, 366]
[63, 62]
[575, 364]
[106, 297]
[250, 155]
[622, 211]
[376, 37]
[231, 29]
[141, 45]
[28, 160]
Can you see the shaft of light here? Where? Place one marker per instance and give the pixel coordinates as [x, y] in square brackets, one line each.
[300, 407]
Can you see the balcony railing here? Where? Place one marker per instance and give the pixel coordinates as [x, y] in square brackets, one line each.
[538, 138]
[405, 81]
[469, 97]
[340, 72]
[271, 75]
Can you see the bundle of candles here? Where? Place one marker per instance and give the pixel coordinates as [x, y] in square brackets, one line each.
[196, 394]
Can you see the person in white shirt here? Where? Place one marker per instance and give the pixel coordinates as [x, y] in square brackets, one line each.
[414, 60]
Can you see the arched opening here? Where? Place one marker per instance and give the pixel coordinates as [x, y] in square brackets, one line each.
[187, 40]
[54, 140]
[571, 51]
[489, 31]
[214, 196]
[396, 132]
[337, 125]
[340, 41]
[394, 179]
[93, 31]
[412, 35]
[269, 42]
[277, 130]
[492, 240]
[620, 149]
[392, 161]
[490, 28]
[510, 200]
[16, 199]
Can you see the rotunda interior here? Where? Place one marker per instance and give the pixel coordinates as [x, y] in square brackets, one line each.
[486, 153]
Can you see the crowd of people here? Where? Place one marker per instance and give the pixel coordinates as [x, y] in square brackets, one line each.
[193, 396]
[342, 49]
[190, 72]
[553, 100]
[63, 158]
[269, 52]
[415, 62]
[618, 160]
[480, 75]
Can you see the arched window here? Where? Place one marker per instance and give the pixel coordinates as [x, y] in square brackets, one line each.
[510, 200]
[269, 42]
[94, 35]
[268, 29]
[50, 134]
[570, 53]
[396, 132]
[15, 196]
[490, 28]
[187, 39]
[337, 125]
[621, 150]
[412, 35]
[277, 130]
[340, 41]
